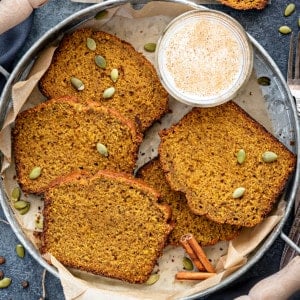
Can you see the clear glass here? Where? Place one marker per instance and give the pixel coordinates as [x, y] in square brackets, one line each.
[204, 57]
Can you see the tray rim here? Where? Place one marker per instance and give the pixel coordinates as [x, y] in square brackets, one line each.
[71, 23]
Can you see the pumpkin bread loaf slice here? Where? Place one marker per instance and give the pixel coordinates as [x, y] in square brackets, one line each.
[61, 135]
[205, 231]
[199, 156]
[245, 4]
[139, 95]
[108, 224]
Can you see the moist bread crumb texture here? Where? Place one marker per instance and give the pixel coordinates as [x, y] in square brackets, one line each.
[108, 224]
[61, 136]
[245, 4]
[139, 95]
[205, 231]
[199, 157]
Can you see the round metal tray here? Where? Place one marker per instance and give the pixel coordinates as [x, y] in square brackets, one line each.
[278, 98]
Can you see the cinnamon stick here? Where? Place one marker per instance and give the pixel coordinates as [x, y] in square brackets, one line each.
[191, 254]
[193, 275]
[198, 251]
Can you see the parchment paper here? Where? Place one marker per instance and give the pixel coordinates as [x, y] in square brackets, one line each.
[138, 28]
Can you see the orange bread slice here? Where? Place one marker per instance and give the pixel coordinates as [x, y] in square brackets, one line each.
[60, 136]
[139, 95]
[205, 231]
[245, 4]
[199, 156]
[108, 224]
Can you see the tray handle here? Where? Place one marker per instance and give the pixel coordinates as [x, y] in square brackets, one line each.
[5, 73]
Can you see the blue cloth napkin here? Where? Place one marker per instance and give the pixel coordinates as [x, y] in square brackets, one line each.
[11, 42]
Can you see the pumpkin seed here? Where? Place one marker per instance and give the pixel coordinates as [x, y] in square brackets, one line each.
[152, 279]
[5, 282]
[35, 173]
[264, 80]
[16, 194]
[109, 92]
[187, 264]
[289, 9]
[241, 156]
[114, 75]
[91, 44]
[100, 61]
[101, 14]
[20, 204]
[150, 47]
[24, 210]
[238, 192]
[285, 29]
[102, 149]
[269, 156]
[20, 250]
[77, 83]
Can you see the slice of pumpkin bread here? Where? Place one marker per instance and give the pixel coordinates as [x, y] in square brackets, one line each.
[205, 231]
[139, 95]
[245, 4]
[108, 224]
[199, 156]
[61, 135]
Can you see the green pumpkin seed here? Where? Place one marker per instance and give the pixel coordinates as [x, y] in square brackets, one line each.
[289, 9]
[35, 173]
[150, 47]
[187, 264]
[77, 83]
[24, 210]
[102, 149]
[91, 44]
[109, 92]
[5, 282]
[238, 192]
[100, 61]
[20, 250]
[114, 75]
[16, 194]
[152, 279]
[101, 14]
[285, 29]
[264, 80]
[241, 156]
[269, 156]
[20, 204]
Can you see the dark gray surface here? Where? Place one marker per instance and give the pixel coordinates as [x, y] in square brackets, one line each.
[263, 26]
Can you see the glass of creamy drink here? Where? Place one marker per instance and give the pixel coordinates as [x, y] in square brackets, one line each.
[204, 57]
